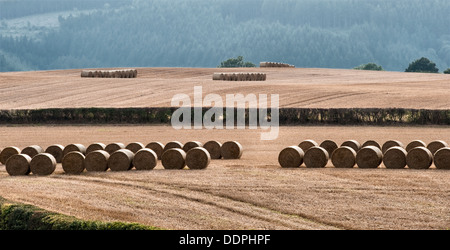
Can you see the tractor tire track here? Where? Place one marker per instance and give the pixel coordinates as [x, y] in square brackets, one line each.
[241, 207]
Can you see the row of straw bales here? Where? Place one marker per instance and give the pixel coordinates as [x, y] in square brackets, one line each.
[99, 157]
[393, 154]
[239, 77]
[120, 73]
[275, 65]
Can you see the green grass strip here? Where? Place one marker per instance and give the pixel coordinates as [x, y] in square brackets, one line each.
[17, 216]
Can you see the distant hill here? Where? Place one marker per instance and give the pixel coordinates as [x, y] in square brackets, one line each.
[202, 33]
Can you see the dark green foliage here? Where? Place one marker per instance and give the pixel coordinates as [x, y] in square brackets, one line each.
[27, 217]
[423, 65]
[369, 66]
[287, 116]
[237, 62]
[447, 71]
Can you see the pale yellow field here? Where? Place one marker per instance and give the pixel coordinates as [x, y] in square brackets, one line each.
[253, 192]
[298, 87]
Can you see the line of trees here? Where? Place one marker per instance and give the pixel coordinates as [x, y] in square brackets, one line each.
[287, 116]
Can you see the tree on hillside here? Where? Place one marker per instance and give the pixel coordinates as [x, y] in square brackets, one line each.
[423, 65]
[369, 66]
[236, 63]
[447, 71]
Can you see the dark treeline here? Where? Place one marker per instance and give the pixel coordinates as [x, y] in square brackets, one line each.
[287, 116]
[202, 33]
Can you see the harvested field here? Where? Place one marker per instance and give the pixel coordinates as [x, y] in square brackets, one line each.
[297, 88]
[252, 192]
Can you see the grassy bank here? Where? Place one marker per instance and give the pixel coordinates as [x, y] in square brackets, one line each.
[16, 216]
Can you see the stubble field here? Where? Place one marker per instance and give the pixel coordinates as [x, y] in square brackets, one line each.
[253, 192]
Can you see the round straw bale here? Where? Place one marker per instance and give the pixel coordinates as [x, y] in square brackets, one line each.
[197, 158]
[190, 145]
[442, 158]
[113, 147]
[306, 144]
[74, 147]
[121, 160]
[316, 157]
[369, 157]
[135, 146]
[97, 161]
[434, 146]
[95, 146]
[145, 159]
[43, 164]
[8, 152]
[85, 73]
[214, 148]
[415, 144]
[344, 157]
[395, 158]
[263, 64]
[112, 74]
[419, 158]
[222, 77]
[371, 143]
[231, 150]
[173, 144]
[32, 150]
[329, 146]
[57, 151]
[174, 158]
[391, 143]
[73, 163]
[18, 164]
[157, 147]
[106, 74]
[217, 76]
[355, 145]
[291, 157]
[135, 73]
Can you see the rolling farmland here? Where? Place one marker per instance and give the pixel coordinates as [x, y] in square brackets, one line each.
[252, 192]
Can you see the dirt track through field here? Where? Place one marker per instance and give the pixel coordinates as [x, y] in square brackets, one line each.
[297, 88]
[250, 193]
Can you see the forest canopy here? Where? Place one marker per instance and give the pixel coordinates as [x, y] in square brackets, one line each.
[203, 33]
